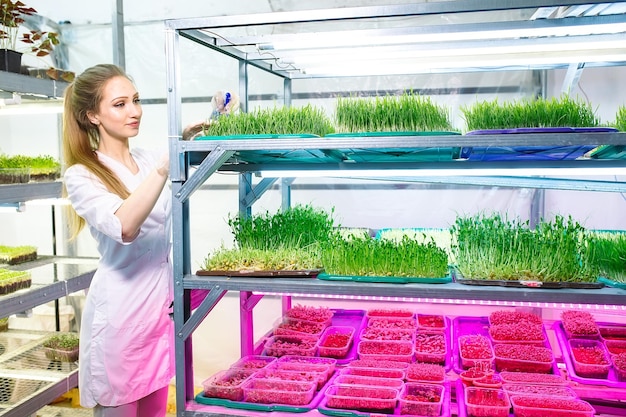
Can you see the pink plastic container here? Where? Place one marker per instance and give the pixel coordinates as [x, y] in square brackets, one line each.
[392, 323]
[612, 332]
[589, 358]
[532, 378]
[426, 372]
[373, 333]
[290, 345]
[284, 375]
[475, 350]
[298, 327]
[509, 358]
[483, 402]
[278, 392]
[430, 347]
[336, 341]
[557, 391]
[526, 333]
[431, 322]
[346, 379]
[539, 406]
[615, 346]
[399, 313]
[322, 367]
[421, 399]
[366, 399]
[253, 362]
[374, 372]
[386, 350]
[227, 384]
[309, 313]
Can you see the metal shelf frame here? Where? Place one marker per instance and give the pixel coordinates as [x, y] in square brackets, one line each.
[210, 156]
[75, 275]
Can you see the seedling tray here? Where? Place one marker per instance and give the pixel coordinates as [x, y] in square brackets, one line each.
[279, 155]
[609, 152]
[384, 279]
[463, 325]
[303, 273]
[425, 154]
[458, 277]
[610, 381]
[336, 412]
[536, 153]
[242, 405]
[611, 283]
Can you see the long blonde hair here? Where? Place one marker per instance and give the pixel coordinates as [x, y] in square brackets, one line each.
[80, 136]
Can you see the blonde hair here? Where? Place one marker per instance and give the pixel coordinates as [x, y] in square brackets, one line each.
[80, 136]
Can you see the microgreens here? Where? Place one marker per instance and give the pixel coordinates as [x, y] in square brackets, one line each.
[408, 112]
[620, 119]
[301, 226]
[276, 121]
[554, 112]
[375, 257]
[607, 254]
[493, 247]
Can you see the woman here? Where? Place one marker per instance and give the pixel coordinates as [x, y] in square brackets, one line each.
[126, 340]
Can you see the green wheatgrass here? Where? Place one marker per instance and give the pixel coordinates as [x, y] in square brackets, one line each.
[529, 113]
[405, 113]
[607, 254]
[495, 248]
[620, 119]
[374, 257]
[308, 120]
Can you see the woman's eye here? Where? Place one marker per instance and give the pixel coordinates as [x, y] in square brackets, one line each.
[137, 100]
[121, 104]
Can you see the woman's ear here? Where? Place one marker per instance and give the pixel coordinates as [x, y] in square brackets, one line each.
[93, 118]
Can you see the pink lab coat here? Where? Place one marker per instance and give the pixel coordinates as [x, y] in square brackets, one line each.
[126, 335]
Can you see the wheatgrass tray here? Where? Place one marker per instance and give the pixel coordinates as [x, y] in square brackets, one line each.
[279, 155]
[536, 153]
[458, 277]
[302, 273]
[426, 154]
[385, 279]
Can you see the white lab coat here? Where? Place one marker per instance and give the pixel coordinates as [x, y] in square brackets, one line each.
[126, 335]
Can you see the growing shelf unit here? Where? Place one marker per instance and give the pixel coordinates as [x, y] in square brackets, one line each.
[29, 380]
[229, 35]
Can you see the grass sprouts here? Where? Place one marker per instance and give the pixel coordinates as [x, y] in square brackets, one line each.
[408, 112]
[375, 257]
[276, 121]
[495, 248]
[531, 113]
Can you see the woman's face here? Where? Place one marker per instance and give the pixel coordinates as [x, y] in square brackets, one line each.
[119, 113]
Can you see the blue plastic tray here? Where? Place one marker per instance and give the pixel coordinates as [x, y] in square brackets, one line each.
[538, 153]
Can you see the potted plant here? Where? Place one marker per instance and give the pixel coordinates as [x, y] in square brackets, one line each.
[62, 347]
[40, 43]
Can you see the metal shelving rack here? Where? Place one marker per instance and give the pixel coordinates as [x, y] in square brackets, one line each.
[29, 380]
[224, 35]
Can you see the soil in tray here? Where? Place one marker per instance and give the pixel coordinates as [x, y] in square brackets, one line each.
[458, 277]
[305, 273]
